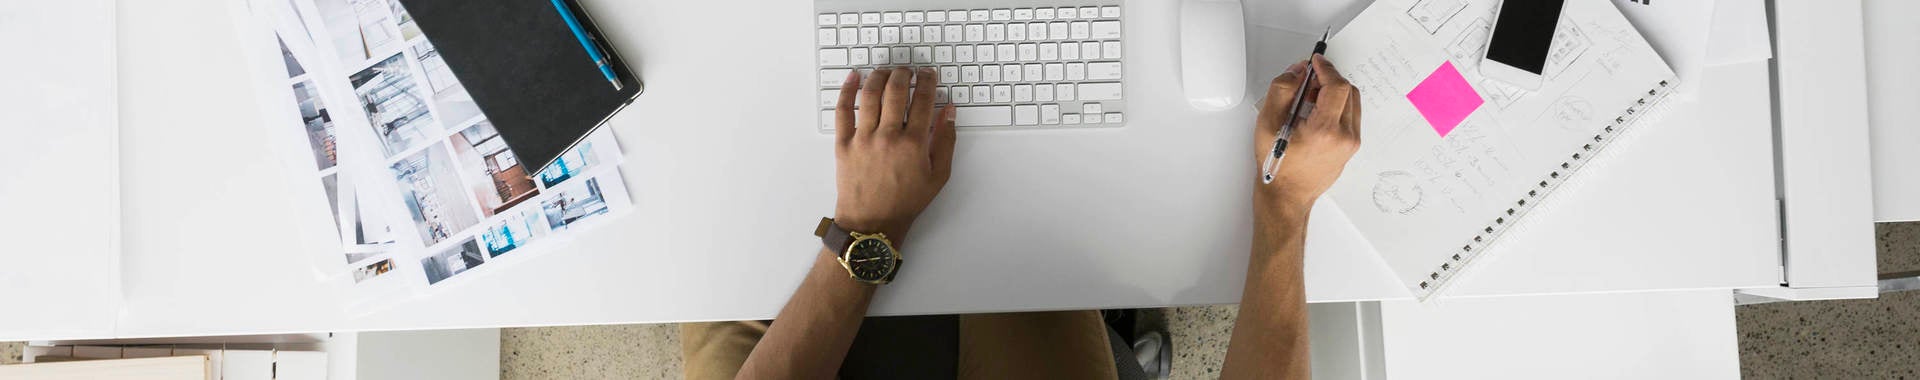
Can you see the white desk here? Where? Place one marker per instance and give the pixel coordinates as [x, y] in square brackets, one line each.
[728, 176]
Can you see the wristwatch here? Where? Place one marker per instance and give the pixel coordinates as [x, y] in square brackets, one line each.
[869, 258]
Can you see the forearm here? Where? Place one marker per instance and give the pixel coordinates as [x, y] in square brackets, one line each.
[810, 336]
[1270, 334]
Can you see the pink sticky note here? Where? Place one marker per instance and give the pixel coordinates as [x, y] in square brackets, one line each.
[1445, 98]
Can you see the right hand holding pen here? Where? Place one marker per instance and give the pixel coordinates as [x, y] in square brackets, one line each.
[1320, 145]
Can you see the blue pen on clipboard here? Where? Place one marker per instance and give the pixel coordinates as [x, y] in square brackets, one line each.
[579, 32]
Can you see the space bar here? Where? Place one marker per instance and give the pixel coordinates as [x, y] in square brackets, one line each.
[983, 116]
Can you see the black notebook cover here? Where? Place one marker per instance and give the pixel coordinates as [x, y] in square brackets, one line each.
[526, 71]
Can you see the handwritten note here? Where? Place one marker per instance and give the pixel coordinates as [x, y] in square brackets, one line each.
[1445, 98]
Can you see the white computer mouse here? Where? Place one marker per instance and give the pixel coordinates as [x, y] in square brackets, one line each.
[1213, 53]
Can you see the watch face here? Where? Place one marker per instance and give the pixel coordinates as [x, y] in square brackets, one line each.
[870, 259]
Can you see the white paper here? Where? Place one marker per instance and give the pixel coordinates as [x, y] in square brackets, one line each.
[1419, 197]
[1679, 30]
[1740, 33]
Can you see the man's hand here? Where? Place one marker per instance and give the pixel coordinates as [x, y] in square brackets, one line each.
[894, 154]
[1321, 143]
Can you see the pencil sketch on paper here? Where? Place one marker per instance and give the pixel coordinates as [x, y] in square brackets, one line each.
[1397, 192]
[1433, 14]
[1569, 43]
[1471, 44]
[1499, 93]
[1466, 164]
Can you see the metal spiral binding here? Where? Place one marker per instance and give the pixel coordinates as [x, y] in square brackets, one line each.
[1457, 261]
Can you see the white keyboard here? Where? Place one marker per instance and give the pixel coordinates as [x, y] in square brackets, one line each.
[1005, 68]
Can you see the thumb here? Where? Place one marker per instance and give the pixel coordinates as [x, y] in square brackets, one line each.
[944, 137]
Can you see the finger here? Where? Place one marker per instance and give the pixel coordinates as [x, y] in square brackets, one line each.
[893, 109]
[1334, 92]
[944, 136]
[1279, 99]
[843, 116]
[870, 97]
[920, 114]
[1352, 117]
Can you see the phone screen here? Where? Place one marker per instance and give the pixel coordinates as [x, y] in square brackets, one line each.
[1524, 33]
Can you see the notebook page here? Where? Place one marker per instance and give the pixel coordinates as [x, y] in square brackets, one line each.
[1446, 151]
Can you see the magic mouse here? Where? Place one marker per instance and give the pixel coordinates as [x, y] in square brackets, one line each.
[1213, 53]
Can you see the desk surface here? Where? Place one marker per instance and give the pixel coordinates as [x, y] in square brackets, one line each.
[1152, 214]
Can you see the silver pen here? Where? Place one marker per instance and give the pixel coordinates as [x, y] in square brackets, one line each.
[1286, 128]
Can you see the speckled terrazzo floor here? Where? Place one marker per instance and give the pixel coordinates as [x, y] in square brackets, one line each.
[1877, 338]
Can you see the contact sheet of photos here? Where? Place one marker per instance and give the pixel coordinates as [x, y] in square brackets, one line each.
[422, 188]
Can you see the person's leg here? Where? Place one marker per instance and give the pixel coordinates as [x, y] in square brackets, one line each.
[715, 350]
[1043, 345]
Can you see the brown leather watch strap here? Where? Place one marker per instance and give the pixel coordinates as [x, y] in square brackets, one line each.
[833, 237]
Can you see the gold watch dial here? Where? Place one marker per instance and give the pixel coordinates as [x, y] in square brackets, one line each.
[870, 259]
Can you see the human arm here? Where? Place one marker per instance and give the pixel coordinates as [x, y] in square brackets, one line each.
[1270, 335]
[891, 158]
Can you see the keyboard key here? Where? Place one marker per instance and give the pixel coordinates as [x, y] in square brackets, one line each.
[996, 32]
[1043, 14]
[826, 119]
[1069, 51]
[1072, 118]
[976, 33]
[1099, 91]
[890, 18]
[942, 54]
[1032, 72]
[936, 16]
[940, 95]
[890, 35]
[970, 74]
[1055, 72]
[982, 94]
[1002, 14]
[990, 73]
[1023, 93]
[952, 33]
[1016, 32]
[1037, 31]
[1026, 115]
[1089, 12]
[1068, 13]
[870, 18]
[829, 98]
[849, 19]
[1022, 14]
[1089, 119]
[1077, 30]
[982, 116]
[869, 36]
[915, 17]
[901, 55]
[1106, 29]
[833, 57]
[1002, 93]
[910, 35]
[857, 57]
[833, 77]
[1076, 71]
[983, 53]
[1103, 71]
[1110, 12]
[1050, 114]
[1010, 73]
[1090, 50]
[880, 56]
[1043, 93]
[1063, 92]
[1114, 118]
[1005, 54]
[977, 15]
[922, 54]
[1057, 31]
[1049, 51]
[930, 34]
[1110, 50]
[1090, 108]
[961, 94]
[1029, 52]
[828, 19]
[827, 36]
[956, 16]
[963, 54]
[849, 36]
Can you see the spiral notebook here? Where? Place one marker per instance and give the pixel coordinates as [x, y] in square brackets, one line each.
[1452, 160]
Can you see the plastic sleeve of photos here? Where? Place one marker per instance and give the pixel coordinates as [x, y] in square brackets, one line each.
[1458, 259]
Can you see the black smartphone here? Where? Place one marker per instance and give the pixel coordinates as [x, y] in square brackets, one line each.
[1522, 35]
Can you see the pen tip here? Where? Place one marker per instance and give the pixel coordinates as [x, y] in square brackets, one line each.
[616, 84]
